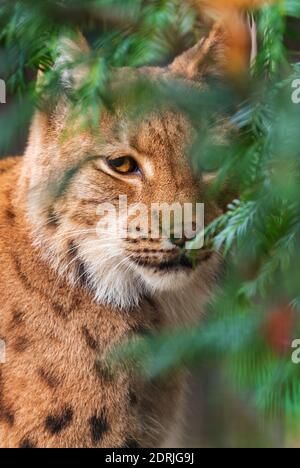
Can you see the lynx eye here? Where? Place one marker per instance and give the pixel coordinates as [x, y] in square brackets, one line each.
[124, 165]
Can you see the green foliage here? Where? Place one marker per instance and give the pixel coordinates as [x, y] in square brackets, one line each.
[259, 235]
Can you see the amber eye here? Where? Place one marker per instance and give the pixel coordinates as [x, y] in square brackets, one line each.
[124, 165]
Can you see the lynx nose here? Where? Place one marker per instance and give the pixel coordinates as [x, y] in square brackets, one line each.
[180, 242]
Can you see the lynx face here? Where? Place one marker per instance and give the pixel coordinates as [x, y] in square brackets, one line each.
[70, 180]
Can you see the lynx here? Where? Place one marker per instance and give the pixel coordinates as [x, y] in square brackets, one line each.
[71, 294]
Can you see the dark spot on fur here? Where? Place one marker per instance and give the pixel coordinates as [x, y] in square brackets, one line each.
[9, 165]
[53, 220]
[26, 282]
[81, 271]
[131, 444]
[27, 444]
[156, 319]
[21, 344]
[90, 340]
[16, 320]
[151, 302]
[10, 216]
[206, 257]
[6, 414]
[49, 379]
[72, 249]
[75, 302]
[82, 274]
[60, 310]
[132, 241]
[89, 201]
[57, 423]
[17, 317]
[133, 399]
[99, 426]
[104, 371]
[43, 292]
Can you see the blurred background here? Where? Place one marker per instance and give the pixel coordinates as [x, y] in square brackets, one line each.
[245, 389]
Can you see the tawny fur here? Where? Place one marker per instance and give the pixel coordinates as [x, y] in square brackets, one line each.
[69, 297]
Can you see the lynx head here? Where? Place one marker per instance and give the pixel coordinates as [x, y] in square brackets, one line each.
[72, 178]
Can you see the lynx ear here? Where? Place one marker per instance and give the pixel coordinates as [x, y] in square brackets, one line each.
[191, 64]
[225, 52]
[70, 51]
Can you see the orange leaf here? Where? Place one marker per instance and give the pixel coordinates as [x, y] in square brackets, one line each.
[237, 35]
[280, 328]
[237, 4]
